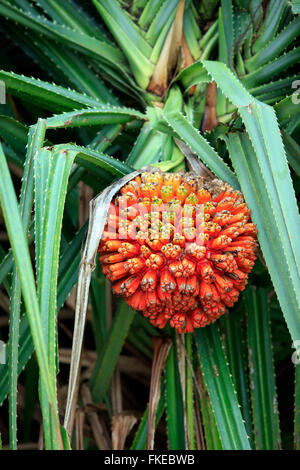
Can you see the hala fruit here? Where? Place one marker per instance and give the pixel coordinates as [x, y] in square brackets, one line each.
[178, 247]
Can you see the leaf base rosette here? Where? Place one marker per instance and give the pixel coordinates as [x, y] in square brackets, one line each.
[178, 247]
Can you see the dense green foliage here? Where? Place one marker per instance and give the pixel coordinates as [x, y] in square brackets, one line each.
[93, 94]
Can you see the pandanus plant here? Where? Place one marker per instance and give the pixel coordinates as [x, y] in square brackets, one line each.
[183, 115]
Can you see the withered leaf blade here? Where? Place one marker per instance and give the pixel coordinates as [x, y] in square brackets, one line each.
[169, 55]
[161, 350]
[122, 424]
[98, 212]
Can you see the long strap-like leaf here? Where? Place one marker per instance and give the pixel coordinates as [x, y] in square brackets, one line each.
[51, 171]
[297, 407]
[174, 402]
[261, 369]
[35, 140]
[266, 182]
[221, 390]
[200, 146]
[106, 363]
[279, 265]
[20, 250]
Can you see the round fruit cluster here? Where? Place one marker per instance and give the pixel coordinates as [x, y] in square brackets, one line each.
[178, 247]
